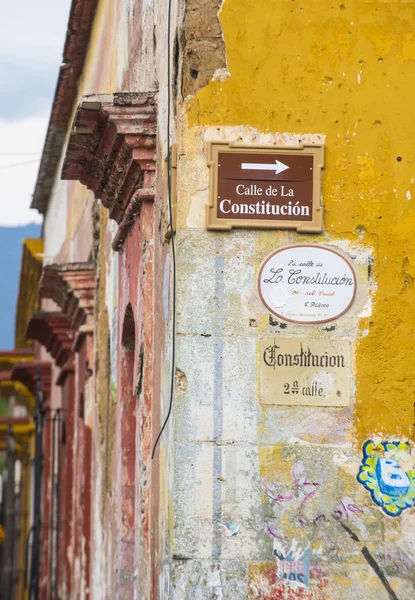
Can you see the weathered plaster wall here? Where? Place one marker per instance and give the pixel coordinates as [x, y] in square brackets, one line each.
[249, 480]
[55, 222]
[284, 72]
[342, 70]
[126, 50]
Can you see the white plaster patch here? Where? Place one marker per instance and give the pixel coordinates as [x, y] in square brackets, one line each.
[324, 379]
[367, 309]
[213, 578]
[196, 215]
[221, 74]
[339, 458]
[122, 43]
[54, 228]
[230, 528]
[279, 297]
[239, 388]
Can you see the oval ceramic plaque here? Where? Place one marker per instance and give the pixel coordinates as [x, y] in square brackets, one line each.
[307, 284]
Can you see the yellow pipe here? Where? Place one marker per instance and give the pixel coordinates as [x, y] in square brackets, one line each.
[18, 428]
[16, 358]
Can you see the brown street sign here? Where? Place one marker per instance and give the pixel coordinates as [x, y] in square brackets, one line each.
[265, 187]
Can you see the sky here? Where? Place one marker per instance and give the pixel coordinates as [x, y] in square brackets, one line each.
[32, 36]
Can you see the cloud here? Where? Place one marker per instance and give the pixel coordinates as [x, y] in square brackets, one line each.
[29, 87]
[17, 182]
[32, 38]
[31, 47]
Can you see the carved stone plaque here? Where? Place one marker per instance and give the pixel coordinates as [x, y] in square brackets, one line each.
[312, 372]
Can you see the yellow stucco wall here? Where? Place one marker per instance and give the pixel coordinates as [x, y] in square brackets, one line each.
[27, 300]
[343, 70]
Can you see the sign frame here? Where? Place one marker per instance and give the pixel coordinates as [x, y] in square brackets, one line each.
[282, 384]
[321, 247]
[213, 222]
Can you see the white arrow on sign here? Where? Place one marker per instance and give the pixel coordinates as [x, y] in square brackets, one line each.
[279, 167]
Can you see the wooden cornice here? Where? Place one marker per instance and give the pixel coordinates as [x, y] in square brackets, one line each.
[66, 371]
[112, 151]
[71, 286]
[27, 374]
[52, 330]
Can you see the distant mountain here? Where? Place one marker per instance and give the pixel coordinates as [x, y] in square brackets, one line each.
[11, 240]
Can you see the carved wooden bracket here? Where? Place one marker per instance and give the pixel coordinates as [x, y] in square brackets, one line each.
[67, 369]
[52, 330]
[27, 374]
[112, 150]
[71, 286]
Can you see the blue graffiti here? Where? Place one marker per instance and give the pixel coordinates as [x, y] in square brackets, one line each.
[391, 487]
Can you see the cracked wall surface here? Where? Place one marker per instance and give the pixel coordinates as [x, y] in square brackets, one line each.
[340, 69]
[204, 48]
[237, 485]
[252, 481]
[126, 52]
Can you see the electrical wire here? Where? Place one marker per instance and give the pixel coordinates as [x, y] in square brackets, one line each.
[173, 248]
[19, 164]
